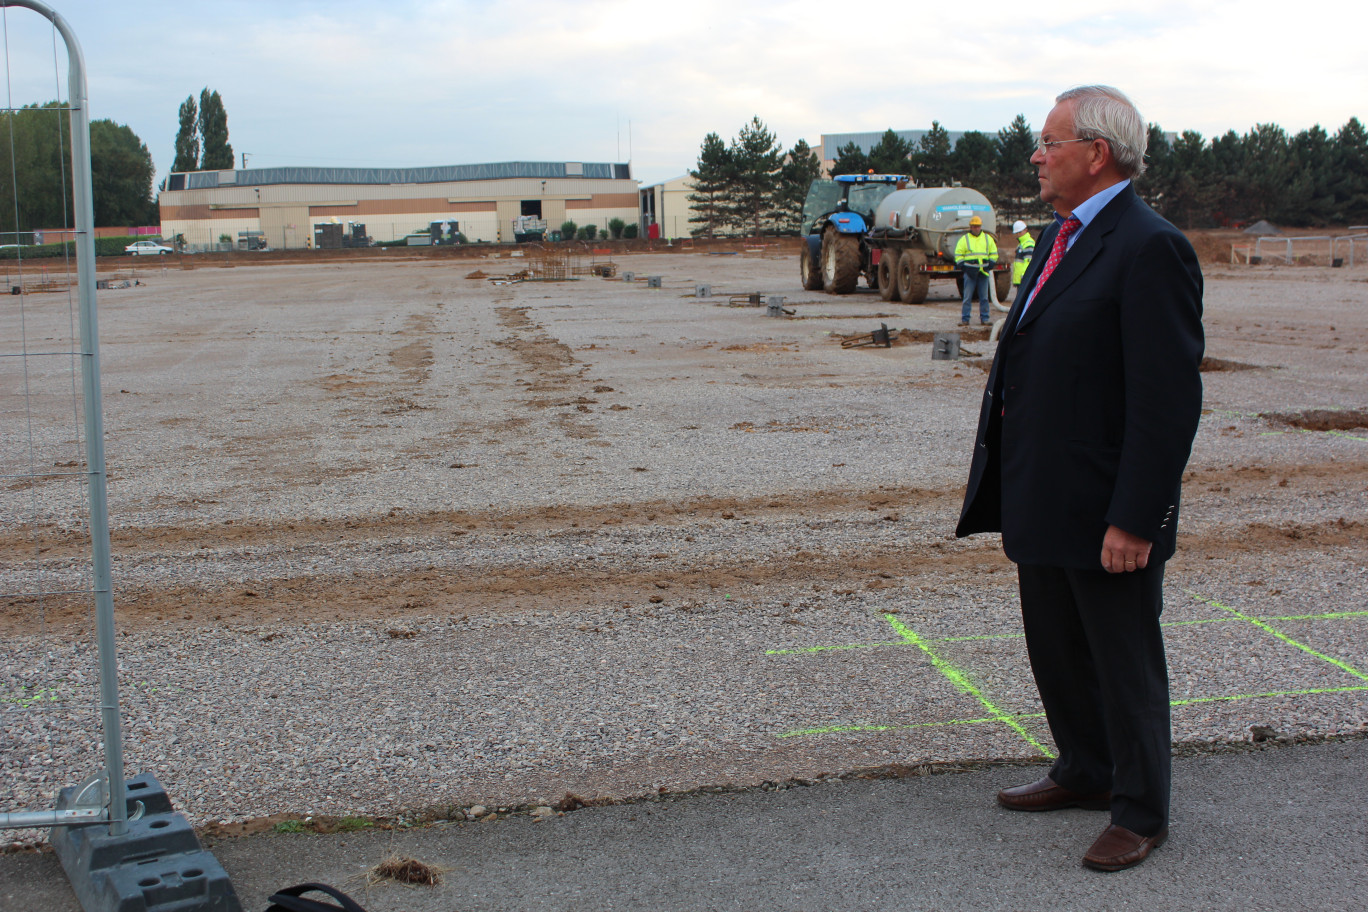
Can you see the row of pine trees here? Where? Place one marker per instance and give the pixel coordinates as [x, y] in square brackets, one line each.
[1313, 178]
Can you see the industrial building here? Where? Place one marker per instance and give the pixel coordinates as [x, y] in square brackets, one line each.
[831, 143]
[285, 205]
[665, 207]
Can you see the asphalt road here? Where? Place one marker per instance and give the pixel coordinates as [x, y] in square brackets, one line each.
[1284, 827]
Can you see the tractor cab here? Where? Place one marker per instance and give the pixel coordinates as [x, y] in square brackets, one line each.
[858, 194]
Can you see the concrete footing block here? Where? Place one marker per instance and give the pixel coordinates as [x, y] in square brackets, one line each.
[946, 347]
[157, 866]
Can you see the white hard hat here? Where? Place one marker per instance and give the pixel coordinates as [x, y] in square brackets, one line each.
[1018, 226]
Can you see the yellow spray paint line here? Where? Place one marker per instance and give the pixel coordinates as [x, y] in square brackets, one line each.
[1193, 701]
[899, 726]
[960, 681]
[808, 650]
[1262, 696]
[1331, 616]
[1344, 666]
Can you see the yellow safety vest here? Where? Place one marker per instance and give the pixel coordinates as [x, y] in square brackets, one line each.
[1025, 249]
[970, 250]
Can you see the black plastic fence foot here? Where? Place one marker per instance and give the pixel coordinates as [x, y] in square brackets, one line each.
[157, 866]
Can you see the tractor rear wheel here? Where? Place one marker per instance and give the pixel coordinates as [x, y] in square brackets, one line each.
[888, 274]
[1002, 284]
[913, 284]
[810, 272]
[840, 261]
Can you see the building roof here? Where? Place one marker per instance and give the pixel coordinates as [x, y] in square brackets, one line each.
[260, 177]
[831, 142]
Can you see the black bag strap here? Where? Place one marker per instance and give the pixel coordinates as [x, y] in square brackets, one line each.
[291, 899]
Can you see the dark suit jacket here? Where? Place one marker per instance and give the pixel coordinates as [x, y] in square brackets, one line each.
[1094, 398]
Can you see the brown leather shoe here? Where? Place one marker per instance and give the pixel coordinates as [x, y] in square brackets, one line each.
[1118, 848]
[1044, 795]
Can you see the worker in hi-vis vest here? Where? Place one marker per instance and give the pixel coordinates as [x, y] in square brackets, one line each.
[976, 253]
[1025, 250]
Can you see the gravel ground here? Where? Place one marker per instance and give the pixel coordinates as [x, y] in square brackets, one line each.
[389, 540]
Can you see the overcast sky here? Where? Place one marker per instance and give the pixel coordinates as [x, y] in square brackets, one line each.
[401, 84]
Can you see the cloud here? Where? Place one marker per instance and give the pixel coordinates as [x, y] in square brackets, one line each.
[406, 83]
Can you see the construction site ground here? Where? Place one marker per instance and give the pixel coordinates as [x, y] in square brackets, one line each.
[397, 540]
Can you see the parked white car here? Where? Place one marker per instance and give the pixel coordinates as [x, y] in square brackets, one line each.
[139, 248]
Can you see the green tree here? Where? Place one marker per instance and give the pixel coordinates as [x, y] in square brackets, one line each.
[39, 157]
[1018, 188]
[933, 157]
[213, 128]
[121, 173]
[1268, 172]
[755, 154]
[850, 159]
[37, 151]
[974, 163]
[711, 183]
[1191, 192]
[615, 227]
[1310, 197]
[187, 139]
[1228, 202]
[1351, 173]
[891, 154]
[1155, 184]
[801, 167]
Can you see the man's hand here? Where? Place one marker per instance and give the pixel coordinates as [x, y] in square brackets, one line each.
[1123, 552]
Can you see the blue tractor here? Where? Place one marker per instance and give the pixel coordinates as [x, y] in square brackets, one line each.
[837, 217]
[898, 237]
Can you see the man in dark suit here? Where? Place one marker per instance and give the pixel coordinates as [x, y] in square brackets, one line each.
[1087, 423]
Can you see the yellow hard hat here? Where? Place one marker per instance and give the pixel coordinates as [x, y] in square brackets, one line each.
[975, 220]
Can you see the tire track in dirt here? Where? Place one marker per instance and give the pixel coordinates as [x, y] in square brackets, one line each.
[553, 372]
[675, 581]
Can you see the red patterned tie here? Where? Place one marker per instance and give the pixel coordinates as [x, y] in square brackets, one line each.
[1061, 244]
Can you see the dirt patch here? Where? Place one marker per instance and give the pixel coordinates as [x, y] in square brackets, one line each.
[1322, 419]
[910, 337]
[1217, 364]
[458, 590]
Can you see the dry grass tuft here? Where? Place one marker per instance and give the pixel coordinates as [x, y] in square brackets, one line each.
[405, 870]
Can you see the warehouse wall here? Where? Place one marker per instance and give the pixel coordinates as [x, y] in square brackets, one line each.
[485, 209]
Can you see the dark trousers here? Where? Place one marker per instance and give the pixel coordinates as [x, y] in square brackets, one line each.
[1098, 656]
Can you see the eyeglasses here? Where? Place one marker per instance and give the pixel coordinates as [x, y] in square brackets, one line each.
[1044, 147]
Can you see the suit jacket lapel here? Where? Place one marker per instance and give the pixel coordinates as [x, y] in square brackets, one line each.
[1045, 244]
[1089, 244]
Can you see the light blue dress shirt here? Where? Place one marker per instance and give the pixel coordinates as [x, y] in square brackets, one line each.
[1085, 213]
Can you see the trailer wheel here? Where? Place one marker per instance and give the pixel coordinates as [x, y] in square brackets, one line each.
[840, 261]
[913, 284]
[888, 275]
[1002, 284]
[808, 270]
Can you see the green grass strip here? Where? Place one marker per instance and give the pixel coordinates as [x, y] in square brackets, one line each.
[960, 681]
[1345, 666]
